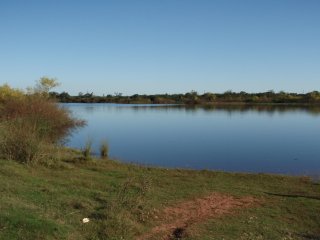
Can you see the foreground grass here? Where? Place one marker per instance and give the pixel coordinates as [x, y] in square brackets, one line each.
[123, 201]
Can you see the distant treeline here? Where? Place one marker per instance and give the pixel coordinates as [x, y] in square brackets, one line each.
[193, 98]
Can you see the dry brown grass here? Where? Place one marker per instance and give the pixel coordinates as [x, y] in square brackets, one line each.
[30, 124]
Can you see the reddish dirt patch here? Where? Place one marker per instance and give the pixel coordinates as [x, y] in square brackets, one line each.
[176, 219]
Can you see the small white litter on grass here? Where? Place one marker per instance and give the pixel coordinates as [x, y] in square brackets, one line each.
[85, 220]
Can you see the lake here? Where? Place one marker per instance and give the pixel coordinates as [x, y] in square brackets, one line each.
[260, 139]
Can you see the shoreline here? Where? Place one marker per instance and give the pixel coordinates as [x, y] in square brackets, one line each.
[203, 104]
[49, 202]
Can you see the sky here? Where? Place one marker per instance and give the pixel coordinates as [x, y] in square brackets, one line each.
[161, 46]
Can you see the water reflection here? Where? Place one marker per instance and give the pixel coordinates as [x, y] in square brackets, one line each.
[247, 138]
[233, 108]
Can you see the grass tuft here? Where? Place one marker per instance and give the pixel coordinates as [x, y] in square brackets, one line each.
[87, 150]
[104, 150]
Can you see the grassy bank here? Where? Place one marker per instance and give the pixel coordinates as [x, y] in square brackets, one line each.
[126, 201]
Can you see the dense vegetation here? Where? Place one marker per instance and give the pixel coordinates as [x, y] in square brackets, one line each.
[31, 123]
[194, 98]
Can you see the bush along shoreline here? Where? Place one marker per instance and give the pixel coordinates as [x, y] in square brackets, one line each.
[32, 124]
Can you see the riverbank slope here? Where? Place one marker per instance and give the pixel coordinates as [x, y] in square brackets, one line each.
[125, 201]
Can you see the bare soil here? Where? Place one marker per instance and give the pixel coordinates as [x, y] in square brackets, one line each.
[174, 220]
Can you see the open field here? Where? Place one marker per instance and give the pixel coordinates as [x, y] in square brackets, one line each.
[131, 202]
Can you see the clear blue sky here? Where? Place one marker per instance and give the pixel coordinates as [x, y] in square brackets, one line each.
[159, 46]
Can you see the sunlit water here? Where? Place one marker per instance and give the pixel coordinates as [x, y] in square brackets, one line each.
[243, 139]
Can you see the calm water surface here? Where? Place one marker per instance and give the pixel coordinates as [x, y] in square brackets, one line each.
[243, 139]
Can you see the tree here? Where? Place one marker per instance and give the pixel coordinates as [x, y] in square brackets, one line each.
[43, 86]
[313, 96]
[209, 96]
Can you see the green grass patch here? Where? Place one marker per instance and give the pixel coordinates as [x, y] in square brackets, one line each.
[120, 200]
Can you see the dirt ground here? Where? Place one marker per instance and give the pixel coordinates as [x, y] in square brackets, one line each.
[174, 220]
